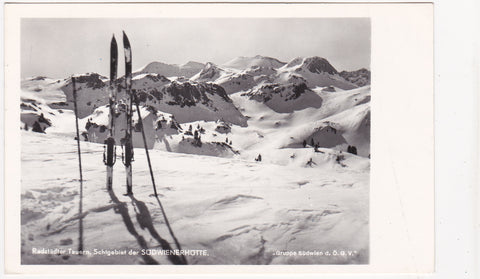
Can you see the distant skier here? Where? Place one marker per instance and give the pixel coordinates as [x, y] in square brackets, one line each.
[259, 158]
[310, 163]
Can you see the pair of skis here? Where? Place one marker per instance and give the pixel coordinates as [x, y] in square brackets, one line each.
[109, 155]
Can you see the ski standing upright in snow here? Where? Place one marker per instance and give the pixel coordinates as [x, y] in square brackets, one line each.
[109, 156]
[128, 149]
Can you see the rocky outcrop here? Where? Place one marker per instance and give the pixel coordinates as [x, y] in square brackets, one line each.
[285, 98]
[359, 77]
[187, 101]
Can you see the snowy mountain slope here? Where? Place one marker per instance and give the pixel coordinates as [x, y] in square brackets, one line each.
[359, 77]
[246, 79]
[211, 73]
[187, 101]
[355, 123]
[199, 101]
[243, 63]
[306, 108]
[254, 71]
[266, 208]
[186, 70]
[46, 89]
[206, 136]
[341, 120]
[236, 82]
[316, 71]
[35, 116]
[92, 92]
[285, 98]
[260, 70]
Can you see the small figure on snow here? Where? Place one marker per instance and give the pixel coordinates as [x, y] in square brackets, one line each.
[340, 158]
[310, 163]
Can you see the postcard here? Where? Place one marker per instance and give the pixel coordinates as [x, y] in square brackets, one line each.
[219, 138]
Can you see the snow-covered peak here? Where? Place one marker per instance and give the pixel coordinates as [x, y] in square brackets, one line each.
[152, 76]
[209, 65]
[92, 80]
[193, 64]
[243, 62]
[315, 71]
[36, 78]
[259, 70]
[210, 72]
[153, 66]
[187, 70]
[318, 65]
[295, 62]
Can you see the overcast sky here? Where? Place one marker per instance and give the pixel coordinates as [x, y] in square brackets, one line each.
[58, 48]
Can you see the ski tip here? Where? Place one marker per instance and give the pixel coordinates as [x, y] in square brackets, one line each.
[113, 45]
[125, 39]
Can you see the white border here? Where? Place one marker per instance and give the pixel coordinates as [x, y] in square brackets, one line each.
[455, 166]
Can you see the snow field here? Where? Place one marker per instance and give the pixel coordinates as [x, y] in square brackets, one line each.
[241, 212]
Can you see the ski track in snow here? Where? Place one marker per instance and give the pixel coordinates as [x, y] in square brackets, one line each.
[240, 211]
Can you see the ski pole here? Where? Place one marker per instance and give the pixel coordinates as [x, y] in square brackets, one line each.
[145, 142]
[80, 209]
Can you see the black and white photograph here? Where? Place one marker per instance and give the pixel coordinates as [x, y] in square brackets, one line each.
[195, 141]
